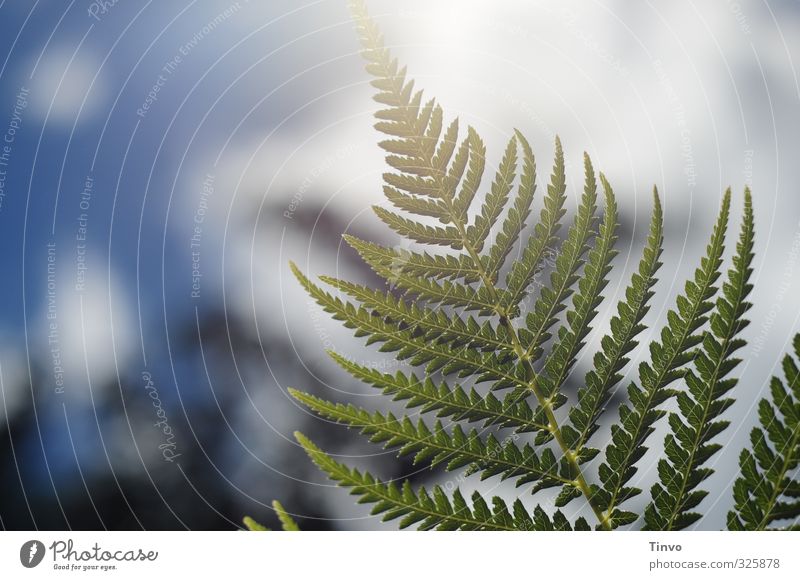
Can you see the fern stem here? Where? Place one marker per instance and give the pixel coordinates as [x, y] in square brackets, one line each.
[555, 429]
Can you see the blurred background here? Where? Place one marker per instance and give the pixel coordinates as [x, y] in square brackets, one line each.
[161, 162]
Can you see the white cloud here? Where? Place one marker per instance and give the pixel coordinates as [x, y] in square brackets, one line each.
[95, 331]
[66, 85]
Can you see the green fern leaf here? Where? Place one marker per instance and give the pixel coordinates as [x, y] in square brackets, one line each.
[289, 525]
[668, 358]
[444, 293]
[571, 335]
[407, 346]
[495, 201]
[625, 326]
[425, 234]
[453, 402]
[543, 239]
[445, 313]
[569, 260]
[768, 490]
[451, 449]
[558, 523]
[428, 510]
[417, 205]
[433, 325]
[253, 525]
[585, 302]
[517, 214]
[398, 262]
[472, 181]
[689, 445]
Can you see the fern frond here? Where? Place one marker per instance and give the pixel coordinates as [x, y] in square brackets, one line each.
[445, 293]
[668, 357]
[688, 447]
[444, 153]
[288, 524]
[399, 262]
[454, 402]
[515, 219]
[445, 313]
[768, 490]
[429, 510]
[543, 239]
[569, 260]
[417, 205]
[625, 326]
[433, 325]
[585, 302]
[564, 352]
[558, 523]
[422, 233]
[464, 361]
[413, 184]
[451, 449]
[253, 525]
[496, 199]
[472, 149]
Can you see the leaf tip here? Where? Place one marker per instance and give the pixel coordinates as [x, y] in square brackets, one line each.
[253, 526]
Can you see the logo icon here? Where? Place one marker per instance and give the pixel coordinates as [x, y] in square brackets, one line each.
[31, 553]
